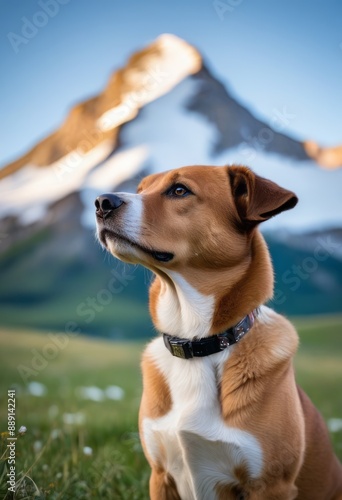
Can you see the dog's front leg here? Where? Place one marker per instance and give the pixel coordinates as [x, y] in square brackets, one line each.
[279, 490]
[162, 486]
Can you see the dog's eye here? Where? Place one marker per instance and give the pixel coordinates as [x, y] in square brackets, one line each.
[178, 190]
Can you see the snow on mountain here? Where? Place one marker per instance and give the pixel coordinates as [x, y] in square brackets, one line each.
[164, 109]
[183, 138]
[37, 188]
[159, 76]
[90, 135]
[175, 136]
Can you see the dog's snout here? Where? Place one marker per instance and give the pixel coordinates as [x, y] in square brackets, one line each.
[107, 203]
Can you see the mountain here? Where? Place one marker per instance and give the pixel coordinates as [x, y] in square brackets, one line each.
[308, 271]
[165, 108]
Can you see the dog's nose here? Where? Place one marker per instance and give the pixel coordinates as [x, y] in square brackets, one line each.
[106, 203]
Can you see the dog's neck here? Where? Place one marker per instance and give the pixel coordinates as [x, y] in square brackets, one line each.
[201, 302]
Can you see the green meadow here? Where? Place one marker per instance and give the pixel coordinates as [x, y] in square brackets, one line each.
[77, 448]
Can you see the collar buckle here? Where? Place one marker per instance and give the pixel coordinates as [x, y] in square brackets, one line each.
[181, 348]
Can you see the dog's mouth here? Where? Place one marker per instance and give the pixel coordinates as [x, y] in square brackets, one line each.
[156, 254]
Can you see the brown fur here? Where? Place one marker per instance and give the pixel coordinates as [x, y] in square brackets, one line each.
[163, 486]
[321, 475]
[219, 251]
[156, 400]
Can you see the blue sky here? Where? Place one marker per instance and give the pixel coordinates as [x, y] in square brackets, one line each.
[270, 54]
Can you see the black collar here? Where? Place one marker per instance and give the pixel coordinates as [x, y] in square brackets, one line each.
[185, 348]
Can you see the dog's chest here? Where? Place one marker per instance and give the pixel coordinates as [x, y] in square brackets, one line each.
[192, 442]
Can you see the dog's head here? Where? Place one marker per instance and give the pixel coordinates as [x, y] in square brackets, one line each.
[199, 217]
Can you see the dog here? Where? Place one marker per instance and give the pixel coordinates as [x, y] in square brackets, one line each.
[221, 416]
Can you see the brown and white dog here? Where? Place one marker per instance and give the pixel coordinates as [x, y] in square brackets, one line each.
[231, 424]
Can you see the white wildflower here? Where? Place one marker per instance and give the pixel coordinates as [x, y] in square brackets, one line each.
[87, 451]
[92, 392]
[55, 433]
[335, 424]
[114, 392]
[74, 418]
[36, 389]
[37, 446]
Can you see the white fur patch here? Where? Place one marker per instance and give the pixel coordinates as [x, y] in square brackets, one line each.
[182, 311]
[192, 442]
[132, 216]
[266, 315]
[286, 345]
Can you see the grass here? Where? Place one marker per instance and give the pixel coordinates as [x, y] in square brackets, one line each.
[52, 460]
[51, 452]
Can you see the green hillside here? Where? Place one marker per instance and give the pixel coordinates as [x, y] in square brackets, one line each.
[52, 459]
[41, 287]
[99, 294]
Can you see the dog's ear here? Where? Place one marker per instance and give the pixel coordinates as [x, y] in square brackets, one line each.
[257, 199]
